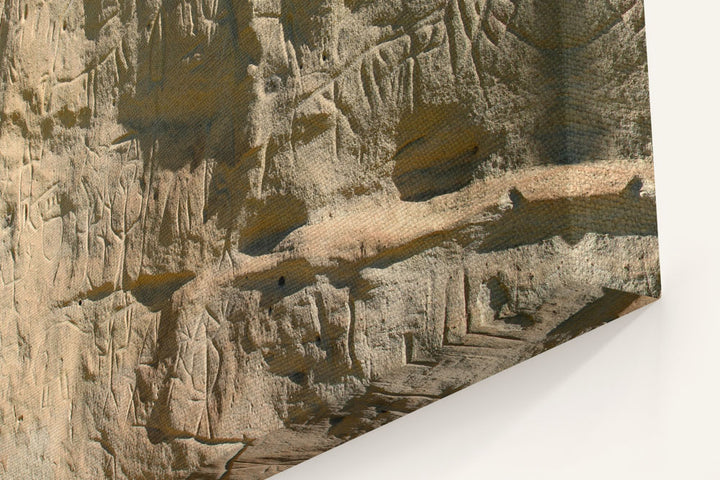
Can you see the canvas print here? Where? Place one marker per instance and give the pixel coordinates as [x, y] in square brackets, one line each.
[237, 233]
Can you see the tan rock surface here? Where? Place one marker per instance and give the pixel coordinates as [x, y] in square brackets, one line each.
[236, 233]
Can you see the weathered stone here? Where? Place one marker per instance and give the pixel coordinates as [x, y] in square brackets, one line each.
[236, 233]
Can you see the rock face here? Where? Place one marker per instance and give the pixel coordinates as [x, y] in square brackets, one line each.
[235, 233]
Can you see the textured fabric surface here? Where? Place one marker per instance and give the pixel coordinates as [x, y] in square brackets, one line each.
[237, 233]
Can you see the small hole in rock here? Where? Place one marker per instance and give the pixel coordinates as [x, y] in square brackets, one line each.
[281, 281]
[298, 378]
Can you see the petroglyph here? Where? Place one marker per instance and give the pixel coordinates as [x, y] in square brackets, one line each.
[236, 233]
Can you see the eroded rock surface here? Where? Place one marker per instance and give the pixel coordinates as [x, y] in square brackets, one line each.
[236, 233]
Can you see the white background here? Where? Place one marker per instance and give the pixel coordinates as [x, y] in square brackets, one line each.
[636, 399]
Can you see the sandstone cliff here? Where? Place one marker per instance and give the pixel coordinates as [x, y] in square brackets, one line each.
[235, 233]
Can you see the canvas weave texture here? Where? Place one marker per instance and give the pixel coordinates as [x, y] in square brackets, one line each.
[237, 233]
